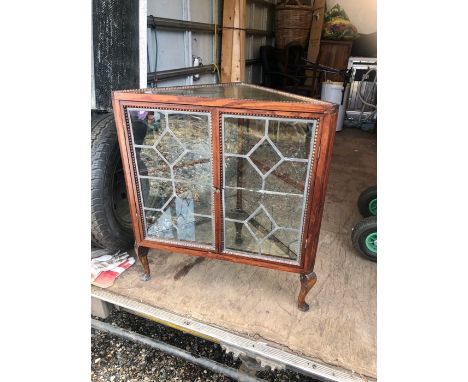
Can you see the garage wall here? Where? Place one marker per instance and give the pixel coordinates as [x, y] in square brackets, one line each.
[362, 13]
[174, 49]
[168, 49]
[258, 17]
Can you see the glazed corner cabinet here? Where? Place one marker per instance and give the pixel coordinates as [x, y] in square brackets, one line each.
[232, 171]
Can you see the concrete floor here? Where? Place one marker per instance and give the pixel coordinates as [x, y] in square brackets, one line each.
[339, 329]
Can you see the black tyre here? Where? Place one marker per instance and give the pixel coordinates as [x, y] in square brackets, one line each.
[367, 202]
[364, 237]
[110, 217]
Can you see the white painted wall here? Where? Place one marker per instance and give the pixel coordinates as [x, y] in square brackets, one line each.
[362, 13]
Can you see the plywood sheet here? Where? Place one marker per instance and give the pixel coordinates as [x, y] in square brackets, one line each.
[339, 329]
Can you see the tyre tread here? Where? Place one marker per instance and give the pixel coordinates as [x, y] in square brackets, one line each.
[363, 201]
[103, 146]
[363, 226]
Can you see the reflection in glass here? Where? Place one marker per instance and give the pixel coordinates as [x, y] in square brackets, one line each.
[265, 157]
[234, 91]
[292, 138]
[173, 159]
[150, 163]
[169, 147]
[156, 193]
[238, 239]
[160, 224]
[147, 126]
[241, 135]
[264, 185]
[260, 224]
[282, 243]
[194, 162]
[288, 177]
[179, 222]
[191, 130]
[199, 193]
[250, 200]
[285, 209]
[239, 172]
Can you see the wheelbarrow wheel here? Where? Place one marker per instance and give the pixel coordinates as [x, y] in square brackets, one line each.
[364, 237]
[367, 202]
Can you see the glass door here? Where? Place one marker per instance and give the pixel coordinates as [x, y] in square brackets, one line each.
[173, 158]
[266, 164]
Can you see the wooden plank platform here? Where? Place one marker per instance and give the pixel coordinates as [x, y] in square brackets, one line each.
[339, 329]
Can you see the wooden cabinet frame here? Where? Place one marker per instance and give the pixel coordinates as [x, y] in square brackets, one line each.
[324, 113]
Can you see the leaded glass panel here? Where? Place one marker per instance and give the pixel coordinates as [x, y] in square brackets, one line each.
[266, 162]
[174, 169]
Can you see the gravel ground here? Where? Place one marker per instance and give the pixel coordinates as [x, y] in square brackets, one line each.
[117, 360]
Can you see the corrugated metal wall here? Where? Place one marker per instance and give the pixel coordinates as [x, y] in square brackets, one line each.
[261, 18]
[175, 49]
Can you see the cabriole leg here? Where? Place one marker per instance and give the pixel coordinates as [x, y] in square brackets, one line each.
[308, 280]
[142, 253]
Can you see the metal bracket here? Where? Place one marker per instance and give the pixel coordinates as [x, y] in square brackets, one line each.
[244, 354]
[196, 61]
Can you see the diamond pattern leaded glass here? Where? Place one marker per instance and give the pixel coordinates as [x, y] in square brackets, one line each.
[265, 157]
[169, 147]
[173, 159]
[266, 162]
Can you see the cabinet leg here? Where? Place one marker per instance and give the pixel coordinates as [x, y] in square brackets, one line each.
[308, 280]
[142, 253]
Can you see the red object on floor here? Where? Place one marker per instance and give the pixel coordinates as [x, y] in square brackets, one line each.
[107, 278]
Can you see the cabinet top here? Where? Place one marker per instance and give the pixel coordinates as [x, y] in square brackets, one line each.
[223, 95]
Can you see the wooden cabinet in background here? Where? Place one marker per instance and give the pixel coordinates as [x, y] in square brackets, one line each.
[335, 54]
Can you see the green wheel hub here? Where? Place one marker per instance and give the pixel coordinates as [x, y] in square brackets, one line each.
[373, 206]
[371, 242]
